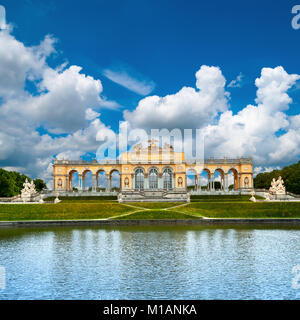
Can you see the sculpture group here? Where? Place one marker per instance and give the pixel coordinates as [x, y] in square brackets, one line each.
[277, 187]
[28, 192]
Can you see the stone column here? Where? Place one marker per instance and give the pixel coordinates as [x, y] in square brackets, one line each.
[213, 182]
[108, 183]
[146, 181]
[67, 183]
[94, 183]
[199, 182]
[226, 181]
[121, 182]
[54, 183]
[160, 181]
[80, 184]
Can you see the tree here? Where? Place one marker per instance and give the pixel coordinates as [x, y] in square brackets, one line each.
[7, 186]
[39, 185]
[11, 183]
[290, 175]
[217, 185]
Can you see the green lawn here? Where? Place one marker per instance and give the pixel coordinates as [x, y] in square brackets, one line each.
[61, 211]
[222, 198]
[243, 209]
[83, 199]
[155, 205]
[91, 208]
[158, 214]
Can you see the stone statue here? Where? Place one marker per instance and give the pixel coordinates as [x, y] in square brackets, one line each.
[277, 186]
[120, 197]
[41, 199]
[246, 182]
[137, 147]
[28, 191]
[268, 196]
[56, 199]
[188, 197]
[252, 197]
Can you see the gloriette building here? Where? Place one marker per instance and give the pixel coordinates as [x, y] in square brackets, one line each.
[155, 169]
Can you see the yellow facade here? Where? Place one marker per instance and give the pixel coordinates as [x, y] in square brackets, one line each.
[159, 168]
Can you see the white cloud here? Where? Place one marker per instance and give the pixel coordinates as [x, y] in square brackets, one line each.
[65, 101]
[68, 101]
[109, 104]
[123, 78]
[237, 82]
[90, 114]
[254, 129]
[188, 108]
[18, 63]
[68, 94]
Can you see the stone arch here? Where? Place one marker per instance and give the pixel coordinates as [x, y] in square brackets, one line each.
[236, 182]
[191, 179]
[101, 179]
[191, 169]
[87, 178]
[139, 167]
[221, 176]
[113, 179]
[153, 175]
[206, 173]
[139, 178]
[153, 167]
[167, 175]
[71, 174]
[100, 170]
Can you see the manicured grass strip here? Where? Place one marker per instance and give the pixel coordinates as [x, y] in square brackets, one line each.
[222, 197]
[61, 211]
[243, 209]
[155, 205]
[157, 214]
[83, 199]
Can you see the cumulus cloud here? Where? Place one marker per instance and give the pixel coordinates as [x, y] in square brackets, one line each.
[90, 114]
[61, 117]
[65, 101]
[255, 130]
[68, 94]
[18, 63]
[188, 108]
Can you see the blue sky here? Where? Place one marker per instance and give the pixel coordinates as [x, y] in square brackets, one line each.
[160, 45]
[165, 41]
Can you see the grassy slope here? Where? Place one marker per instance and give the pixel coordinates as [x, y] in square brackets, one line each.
[243, 209]
[61, 211]
[158, 214]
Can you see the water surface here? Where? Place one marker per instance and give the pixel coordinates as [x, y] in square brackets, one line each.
[158, 262]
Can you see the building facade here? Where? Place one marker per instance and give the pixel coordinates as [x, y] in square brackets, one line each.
[154, 168]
